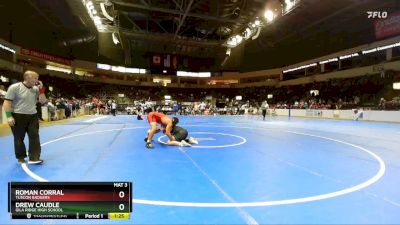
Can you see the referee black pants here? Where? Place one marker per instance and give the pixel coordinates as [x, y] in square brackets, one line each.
[25, 123]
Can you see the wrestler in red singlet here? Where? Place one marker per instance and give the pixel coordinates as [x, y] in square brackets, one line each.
[158, 118]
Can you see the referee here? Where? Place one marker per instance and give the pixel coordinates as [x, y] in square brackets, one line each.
[264, 107]
[20, 107]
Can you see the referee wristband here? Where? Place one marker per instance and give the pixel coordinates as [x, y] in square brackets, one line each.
[8, 114]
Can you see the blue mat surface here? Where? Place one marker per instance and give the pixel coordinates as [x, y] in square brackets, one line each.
[243, 171]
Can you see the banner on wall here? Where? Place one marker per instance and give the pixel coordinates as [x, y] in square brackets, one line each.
[313, 113]
[157, 60]
[336, 114]
[387, 27]
[167, 61]
[45, 56]
[174, 62]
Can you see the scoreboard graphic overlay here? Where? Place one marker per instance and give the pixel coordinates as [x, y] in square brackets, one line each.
[70, 200]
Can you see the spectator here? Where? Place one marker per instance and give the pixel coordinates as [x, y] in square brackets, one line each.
[382, 104]
[2, 91]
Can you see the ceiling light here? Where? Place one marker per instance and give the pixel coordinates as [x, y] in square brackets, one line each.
[247, 33]
[269, 15]
[239, 39]
[232, 41]
[289, 4]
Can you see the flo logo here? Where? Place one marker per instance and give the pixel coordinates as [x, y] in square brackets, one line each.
[377, 14]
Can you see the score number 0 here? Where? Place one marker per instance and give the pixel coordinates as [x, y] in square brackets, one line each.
[121, 206]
